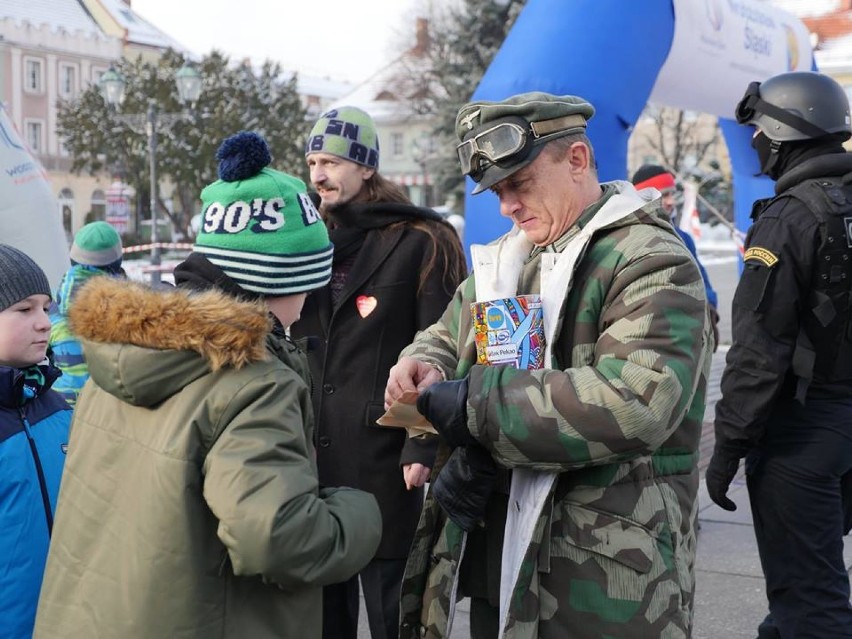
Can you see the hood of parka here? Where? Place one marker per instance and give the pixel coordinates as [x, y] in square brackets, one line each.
[143, 345]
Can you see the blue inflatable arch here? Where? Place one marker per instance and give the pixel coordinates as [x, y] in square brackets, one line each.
[611, 52]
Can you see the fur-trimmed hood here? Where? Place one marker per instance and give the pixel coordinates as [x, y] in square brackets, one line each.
[144, 344]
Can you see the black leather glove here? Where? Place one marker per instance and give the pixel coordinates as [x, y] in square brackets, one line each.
[714, 323]
[465, 484]
[721, 472]
[445, 406]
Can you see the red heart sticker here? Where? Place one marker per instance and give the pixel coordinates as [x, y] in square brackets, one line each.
[366, 305]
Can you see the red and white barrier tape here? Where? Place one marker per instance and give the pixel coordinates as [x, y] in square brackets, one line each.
[163, 245]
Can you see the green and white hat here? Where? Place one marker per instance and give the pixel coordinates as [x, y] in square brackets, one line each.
[259, 226]
[347, 132]
[97, 244]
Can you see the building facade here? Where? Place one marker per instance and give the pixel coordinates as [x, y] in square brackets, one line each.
[408, 146]
[50, 50]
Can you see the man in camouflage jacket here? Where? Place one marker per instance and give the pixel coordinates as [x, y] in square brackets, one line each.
[582, 474]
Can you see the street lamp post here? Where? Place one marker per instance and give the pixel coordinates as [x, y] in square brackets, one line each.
[112, 85]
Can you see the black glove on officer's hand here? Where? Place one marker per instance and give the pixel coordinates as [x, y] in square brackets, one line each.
[464, 485]
[714, 323]
[445, 406]
[721, 472]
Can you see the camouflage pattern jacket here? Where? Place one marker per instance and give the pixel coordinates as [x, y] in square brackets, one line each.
[603, 445]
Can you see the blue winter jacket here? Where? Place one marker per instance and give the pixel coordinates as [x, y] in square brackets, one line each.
[34, 425]
[712, 298]
[67, 351]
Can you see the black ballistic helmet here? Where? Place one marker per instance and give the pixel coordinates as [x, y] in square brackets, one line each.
[801, 105]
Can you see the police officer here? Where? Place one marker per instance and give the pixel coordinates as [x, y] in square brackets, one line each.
[786, 402]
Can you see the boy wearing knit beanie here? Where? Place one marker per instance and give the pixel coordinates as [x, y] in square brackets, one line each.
[96, 250]
[97, 244]
[197, 432]
[34, 423]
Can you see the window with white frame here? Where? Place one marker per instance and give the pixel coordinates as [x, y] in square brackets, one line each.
[33, 75]
[67, 80]
[35, 135]
[397, 147]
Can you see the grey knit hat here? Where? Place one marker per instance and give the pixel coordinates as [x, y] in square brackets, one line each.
[20, 277]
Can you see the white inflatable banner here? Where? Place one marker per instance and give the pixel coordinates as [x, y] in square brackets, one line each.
[30, 219]
[720, 46]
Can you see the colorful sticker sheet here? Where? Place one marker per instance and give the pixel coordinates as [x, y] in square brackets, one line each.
[509, 332]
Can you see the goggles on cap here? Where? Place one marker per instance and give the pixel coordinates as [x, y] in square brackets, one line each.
[512, 139]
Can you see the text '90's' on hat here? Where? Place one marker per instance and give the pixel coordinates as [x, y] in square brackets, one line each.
[259, 226]
[499, 138]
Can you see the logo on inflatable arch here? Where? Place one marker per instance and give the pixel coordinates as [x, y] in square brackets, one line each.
[714, 11]
[792, 48]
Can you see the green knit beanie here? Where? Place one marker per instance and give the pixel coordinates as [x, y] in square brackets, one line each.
[97, 244]
[347, 132]
[259, 226]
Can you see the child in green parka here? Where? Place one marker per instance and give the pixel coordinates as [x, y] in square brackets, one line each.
[193, 508]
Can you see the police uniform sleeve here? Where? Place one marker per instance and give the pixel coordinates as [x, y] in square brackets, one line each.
[765, 319]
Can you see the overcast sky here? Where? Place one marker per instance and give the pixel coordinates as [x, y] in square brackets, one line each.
[342, 39]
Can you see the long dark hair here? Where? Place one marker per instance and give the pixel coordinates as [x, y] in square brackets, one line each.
[380, 189]
[450, 260]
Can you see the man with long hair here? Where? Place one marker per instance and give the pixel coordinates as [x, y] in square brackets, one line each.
[396, 267]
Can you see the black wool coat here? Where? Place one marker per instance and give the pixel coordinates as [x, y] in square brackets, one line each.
[380, 309]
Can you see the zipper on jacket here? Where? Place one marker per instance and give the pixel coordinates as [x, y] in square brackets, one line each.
[41, 480]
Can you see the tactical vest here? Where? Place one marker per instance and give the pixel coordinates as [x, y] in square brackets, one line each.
[824, 345]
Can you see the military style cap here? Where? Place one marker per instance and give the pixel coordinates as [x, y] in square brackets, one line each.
[499, 138]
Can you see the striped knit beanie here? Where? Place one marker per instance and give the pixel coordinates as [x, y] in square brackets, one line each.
[20, 277]
[259, 226]
[347, 132]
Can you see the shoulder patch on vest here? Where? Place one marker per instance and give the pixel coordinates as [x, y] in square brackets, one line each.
[762, 255]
